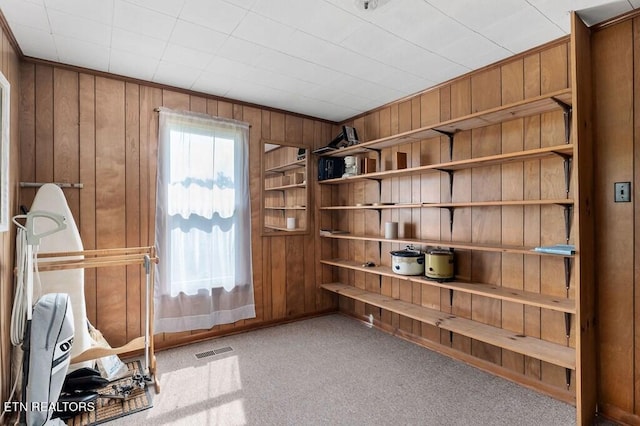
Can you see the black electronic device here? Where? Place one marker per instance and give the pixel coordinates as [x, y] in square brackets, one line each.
[330, 167]
[348, 136]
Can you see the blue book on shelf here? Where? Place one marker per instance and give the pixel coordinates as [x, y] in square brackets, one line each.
[566, 249]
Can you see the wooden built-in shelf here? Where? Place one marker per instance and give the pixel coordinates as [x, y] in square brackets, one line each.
[286, 167]
[281, 228]
[565, 150]
[562, 202]
[563, 356]
[286, 208]
[529, 107]
[450, 244]
[285, 187]
[554, 303]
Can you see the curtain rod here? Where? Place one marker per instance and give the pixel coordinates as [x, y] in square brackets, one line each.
[60, 184]
[201, 115]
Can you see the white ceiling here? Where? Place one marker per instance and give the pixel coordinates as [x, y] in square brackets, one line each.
[325, 58]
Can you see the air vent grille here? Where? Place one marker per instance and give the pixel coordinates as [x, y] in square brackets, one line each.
[214, 352]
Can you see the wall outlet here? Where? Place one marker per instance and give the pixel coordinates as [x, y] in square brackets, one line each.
[622, 192]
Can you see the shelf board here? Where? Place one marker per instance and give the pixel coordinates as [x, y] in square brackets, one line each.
[374, 207]
[520, 109]
[286, 208]
[285, 167]
[562, 202]
[496, 292]
[553, 353]
[491, 160]
[280, 228]
[450, 244]
[285, 187]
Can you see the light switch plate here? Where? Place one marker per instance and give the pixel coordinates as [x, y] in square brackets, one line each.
[622, 192]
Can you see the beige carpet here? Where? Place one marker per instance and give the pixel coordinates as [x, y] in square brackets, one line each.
[333, 370]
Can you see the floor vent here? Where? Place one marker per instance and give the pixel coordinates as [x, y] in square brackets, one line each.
[214, 352]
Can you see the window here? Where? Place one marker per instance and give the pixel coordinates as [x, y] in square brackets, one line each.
[203, 223]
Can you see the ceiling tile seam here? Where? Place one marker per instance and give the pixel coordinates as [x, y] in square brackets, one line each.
[228, 36]
[111, 35]
[166, 45]
[55, 44]
[471, 29]
[353, 51]
[543, 14]
[336, 45]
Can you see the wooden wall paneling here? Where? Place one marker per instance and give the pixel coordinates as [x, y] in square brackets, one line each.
[460, 105]
[27, 131]
[254, 116]
[554, 68]
[532, 87]
[110, 206]
[65, 134]
[636, 225]
[612, 62]
[135, 283]
[278, 277]
[512, 176]
[12, 71]
[295, 275]
[582, 130]
[87, 174]
[44, 124]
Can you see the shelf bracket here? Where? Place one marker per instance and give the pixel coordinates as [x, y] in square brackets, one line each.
[451, 297]
[568, 209]
[450, 135]
[567, 324]
[450, 173]
[567, 373]
[567, 273]
[451, 210]
[567, 118]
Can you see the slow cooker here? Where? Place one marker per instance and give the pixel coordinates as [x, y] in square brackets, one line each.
[407, 262]
[439, 264]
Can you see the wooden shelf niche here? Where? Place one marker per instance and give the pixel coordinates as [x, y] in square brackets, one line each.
[285, 195]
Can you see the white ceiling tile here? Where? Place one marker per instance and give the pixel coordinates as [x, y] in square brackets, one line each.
[325, 58]
[177, 75]
[80, 53]
[478, 14]
[142, 21]
[35, 43]
[197, 37]
[138, 44]
[516, 32]
[25, 13]
[190, 58]
[327, 22]
[241, 50]
[132, 65]
[94, 10]
[264, 31]
[168, 7]
[245, 4]
[215, 14]
[71, 26]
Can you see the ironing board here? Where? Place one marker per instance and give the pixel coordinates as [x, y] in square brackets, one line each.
[143, 256]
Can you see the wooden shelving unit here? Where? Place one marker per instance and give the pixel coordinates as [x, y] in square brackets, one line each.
[559, 354]
[285, 193]
[553, 353]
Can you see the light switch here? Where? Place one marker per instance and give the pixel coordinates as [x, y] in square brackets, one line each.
[622, 192]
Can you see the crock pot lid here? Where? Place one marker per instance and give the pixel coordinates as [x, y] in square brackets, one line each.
[407, 253]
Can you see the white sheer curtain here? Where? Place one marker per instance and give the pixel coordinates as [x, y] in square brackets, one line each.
[203, 223]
